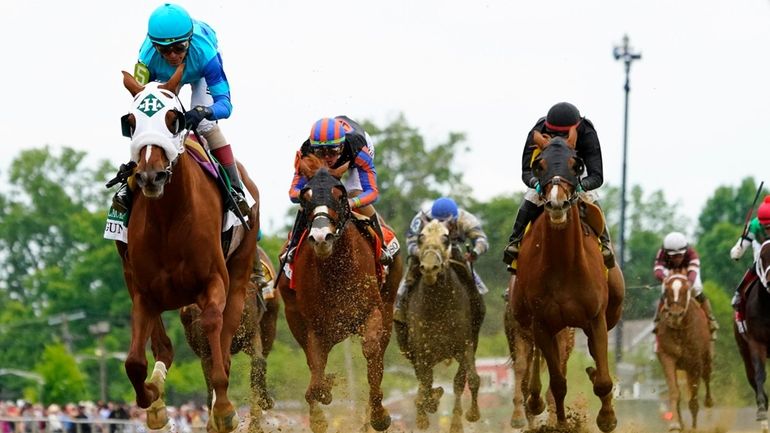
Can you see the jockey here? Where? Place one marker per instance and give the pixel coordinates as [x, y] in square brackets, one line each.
[174, 38]
[338, 141]
[559, 120]
[758, 232]
[463, 226]
[676, 253]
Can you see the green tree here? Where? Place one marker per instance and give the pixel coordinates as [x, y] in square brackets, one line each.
[64, 382]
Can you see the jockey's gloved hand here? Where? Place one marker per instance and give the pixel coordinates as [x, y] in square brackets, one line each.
[193, 117]
[535, 184]
[471, 255]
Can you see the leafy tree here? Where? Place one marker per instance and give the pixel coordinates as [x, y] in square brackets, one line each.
[64, 382]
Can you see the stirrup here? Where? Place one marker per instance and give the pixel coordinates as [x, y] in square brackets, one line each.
[240, 201]
[385, 258]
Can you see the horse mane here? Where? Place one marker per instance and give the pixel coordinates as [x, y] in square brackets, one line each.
[310, 164]
[543, 140]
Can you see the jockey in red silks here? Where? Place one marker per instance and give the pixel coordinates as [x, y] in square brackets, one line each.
[677, 253]
[339, 141]
[758, 232]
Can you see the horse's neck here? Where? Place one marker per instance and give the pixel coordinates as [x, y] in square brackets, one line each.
[563, 243]
[183, 195]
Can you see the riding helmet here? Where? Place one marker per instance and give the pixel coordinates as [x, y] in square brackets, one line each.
[763, 213]
[444, 208]
[675, 243]
[562, 116]
[169, 24]
[327, 132]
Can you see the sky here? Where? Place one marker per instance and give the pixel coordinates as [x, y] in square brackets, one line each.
[490, 69]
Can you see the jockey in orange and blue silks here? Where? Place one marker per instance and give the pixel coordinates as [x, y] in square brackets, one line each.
[174, 38]
[757, 233]
[339, 141]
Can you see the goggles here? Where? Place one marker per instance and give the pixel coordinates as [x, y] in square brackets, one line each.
[177, 48]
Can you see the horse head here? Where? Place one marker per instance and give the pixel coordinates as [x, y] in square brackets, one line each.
[324, 202]
[558, 168]
[155, 120]
[677, 295]
[434, 249]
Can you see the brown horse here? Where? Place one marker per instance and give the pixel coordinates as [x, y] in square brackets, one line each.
[562, 281]
[174, 256]
[267, 325]
[443, 320]
[335, 291]
[755, 343]
[527, 361]
[684, 343]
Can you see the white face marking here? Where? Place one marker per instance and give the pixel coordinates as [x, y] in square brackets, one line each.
[554, 195]
[148, 153]
[676, 286]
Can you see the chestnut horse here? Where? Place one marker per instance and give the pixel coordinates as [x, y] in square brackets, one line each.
[335, 291]
[174, 255]
[684, 343]
[248, 338]
[443, 320]
[527, 361]
[562, 281]
[755, 343]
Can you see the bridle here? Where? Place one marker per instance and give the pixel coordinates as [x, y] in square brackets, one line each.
[322, 204]
[666, 309]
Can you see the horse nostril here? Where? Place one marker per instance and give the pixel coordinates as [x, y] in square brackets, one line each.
[328, 237]
[161, 176]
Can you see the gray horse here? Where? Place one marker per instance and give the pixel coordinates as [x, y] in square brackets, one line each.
[443, 317]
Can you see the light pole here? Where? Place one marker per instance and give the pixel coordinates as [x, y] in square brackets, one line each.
[100, 330]
[624, 53]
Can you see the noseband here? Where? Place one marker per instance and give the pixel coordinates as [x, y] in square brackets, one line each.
[321, 197]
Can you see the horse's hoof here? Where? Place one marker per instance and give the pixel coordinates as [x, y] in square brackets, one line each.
[157, 418]
[223, 424]
[536, 405]
[518, 423]
[382, 423]
[265, 401]
[763, 424]
[606, 423]
[473, 414]
[457, 425]
[709, 402]
[431, 406]
[675, 427]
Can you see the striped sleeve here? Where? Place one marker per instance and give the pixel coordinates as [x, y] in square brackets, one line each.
[217, 83]
[368, 177]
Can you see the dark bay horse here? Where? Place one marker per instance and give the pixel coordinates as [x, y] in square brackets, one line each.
[754, 344]
[336, 291]
[443, 319]
[174, 256]
[562, 281]
[527, 362]
[684, 343]
[248, 338]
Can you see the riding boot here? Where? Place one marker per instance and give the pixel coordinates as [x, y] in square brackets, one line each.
[607, 255]
[258, 274]
[122, 199]
[527, 213]
[296, 233]
[706, 305]
[656, 319]
[237, 189]
[385, 257]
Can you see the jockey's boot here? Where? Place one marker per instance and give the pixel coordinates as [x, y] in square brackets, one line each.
[385, 258]
[122, 199]
[527, 213]
[296, 232]
[656, 319]
[706, 305]
[607, 255]
[237, 190]
[258, 274]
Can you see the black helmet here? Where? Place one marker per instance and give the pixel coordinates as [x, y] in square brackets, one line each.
[562, 116]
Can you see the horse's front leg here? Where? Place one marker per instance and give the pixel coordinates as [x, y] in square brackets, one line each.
[600, 377]
[319, 388]
[374, 352]
[223, 417]
[549, 348]
[693, 383]
[474, 381]
[520, 355]
[758, 358]
[427, 399]
[458, 386]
